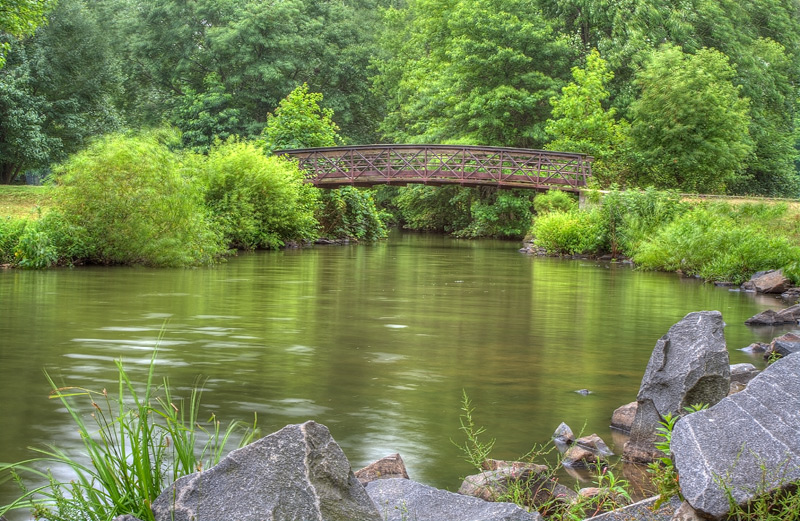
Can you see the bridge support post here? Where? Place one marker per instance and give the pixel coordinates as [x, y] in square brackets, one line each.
[582, 199]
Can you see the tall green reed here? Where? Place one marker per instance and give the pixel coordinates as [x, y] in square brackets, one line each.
[136, 444]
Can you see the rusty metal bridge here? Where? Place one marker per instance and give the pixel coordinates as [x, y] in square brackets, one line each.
[368, 165]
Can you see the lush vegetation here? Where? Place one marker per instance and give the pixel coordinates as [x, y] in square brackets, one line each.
[700, 96]
[718, 241]
[137, 443]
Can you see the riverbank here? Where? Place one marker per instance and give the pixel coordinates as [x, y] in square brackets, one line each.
[719, 241]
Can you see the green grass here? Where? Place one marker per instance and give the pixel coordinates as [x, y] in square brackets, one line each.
[20, 201]
[137, 443]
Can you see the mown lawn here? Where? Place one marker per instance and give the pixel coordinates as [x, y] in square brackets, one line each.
[23, 200]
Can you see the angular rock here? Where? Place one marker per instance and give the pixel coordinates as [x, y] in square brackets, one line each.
[563, 437]
[771, 281]
[588, 451]
[791, 294]
[770, 317]
[298, 472]
[685, 512]
[517, 466]
[403, 499]
[622, 418]
[743, 373]
[689, 365]
[784, 345]
[385, 468]
[536, 483]
[750, 441]
[756, 347]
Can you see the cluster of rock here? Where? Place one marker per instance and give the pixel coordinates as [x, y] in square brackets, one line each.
[745, 444]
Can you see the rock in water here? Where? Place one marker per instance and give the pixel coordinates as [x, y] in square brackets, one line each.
[689, 365]
[385, 468]
[299, 472]
[746, 445]
[405, 500]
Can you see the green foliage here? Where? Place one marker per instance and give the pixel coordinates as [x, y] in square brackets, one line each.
[299, 122]
[21, 18]
[570, 233]
[475, 450]
[10, 232]
[256, 201]
[470, 72]
[429, 208]
[135, 204]
[350, 213]
[717, 245]
[206, 117]
[500, 214]
[690, 124]
[138, 443]
[35, 250]
[580, 123]
[554, 201]
[56, 91]
[633, 217]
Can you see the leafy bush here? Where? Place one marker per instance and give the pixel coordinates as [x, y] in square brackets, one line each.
[502, 214]
[10, 232]
[255, 200]
[437, 209]
[350, 213]
[572, 233]
[716, 246]
[136, 207]
[554, 201]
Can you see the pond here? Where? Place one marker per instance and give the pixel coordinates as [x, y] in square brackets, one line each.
[375, 341]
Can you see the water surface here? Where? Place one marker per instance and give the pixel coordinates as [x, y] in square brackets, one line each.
[377, 342]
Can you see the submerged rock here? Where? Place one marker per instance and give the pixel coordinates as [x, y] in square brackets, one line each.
[689, 365]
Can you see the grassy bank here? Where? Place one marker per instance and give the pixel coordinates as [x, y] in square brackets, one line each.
[22, 201]
[718, 240]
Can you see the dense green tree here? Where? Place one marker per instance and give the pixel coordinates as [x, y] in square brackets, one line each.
[581, 124]
[690, 124]
[57, 91]
[300, 122]
[21, 18]
[473, 72]
[206, 117]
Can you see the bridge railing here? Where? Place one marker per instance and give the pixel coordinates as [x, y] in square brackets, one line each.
[442, 164]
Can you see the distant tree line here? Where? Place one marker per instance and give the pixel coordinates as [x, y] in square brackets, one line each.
[698, 95]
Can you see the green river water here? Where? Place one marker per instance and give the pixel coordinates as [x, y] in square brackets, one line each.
[375, 341]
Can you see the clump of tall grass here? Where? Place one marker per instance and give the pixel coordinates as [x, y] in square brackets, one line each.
[137, 443]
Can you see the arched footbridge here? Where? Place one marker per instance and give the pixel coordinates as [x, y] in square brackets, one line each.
[368, 165]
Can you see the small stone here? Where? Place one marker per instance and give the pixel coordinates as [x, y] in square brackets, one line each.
[563, 437]
[385, 468]
[584, 392]
[743, 373]
[622, 418]
[756, 347]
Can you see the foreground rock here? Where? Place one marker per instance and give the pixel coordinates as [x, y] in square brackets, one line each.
[298, 472]
[784, 345]
[641, 511]
[750, 441]
[587, 452]
[405, 500]
[689, 365]
[385, 468]
[790, 315]
[772, 281]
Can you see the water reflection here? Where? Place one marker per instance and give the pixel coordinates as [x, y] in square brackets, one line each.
[377, 342]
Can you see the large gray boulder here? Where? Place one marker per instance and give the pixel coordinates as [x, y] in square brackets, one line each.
[296, 473]
[689, 365]
[772, 281]
[403, 499]
[746, 445]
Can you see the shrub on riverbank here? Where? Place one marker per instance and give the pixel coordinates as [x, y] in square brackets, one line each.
[256, 201]
[718, 241]
[350, 213]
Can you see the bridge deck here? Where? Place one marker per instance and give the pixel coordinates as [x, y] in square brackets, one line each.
[367, 165]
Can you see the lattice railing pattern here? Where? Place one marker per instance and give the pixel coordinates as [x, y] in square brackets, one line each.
[442, 164]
